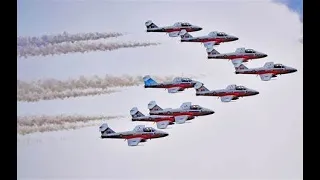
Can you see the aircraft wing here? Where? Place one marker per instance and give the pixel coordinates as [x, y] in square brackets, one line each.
[175, 33]
[162, 124]
[266, 77]
[134, 141]
[180, 119]
[237, 62]
[174, 89]
[209, 45]
[227, 98]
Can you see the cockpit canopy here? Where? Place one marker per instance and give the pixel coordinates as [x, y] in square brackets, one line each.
[249, 51]
[148, 129]
[195, 107]
[183, 24]
[240, 88]
[278, 66]
[221, 34]
[179, 79]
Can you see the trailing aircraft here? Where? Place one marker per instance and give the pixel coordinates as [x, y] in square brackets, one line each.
[140, 133]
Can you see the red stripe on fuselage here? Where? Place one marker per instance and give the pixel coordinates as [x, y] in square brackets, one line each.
[176, 85]
[273, 71]
[159, 119]
[142, 136]
[178, 29]
[238, 94]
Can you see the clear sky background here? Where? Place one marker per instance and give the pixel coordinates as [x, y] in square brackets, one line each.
[257, 137]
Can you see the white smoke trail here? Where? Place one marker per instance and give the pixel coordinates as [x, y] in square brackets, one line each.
[108, 81]
[30, 124]
[49, 95]
[64, 37]
[49, 89]
[76, 47]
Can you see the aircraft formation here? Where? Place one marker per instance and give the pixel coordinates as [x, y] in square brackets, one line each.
[163, 117]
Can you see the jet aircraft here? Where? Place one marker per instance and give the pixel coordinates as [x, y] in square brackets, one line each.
[238, 57]
[162, 121]
[232, 92]
[174, 31]
[210, 40]
[178, 84]
[268, 71]
[140, 133]
[186, 109]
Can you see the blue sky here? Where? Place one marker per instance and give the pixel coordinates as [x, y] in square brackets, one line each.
[295, 5]
[256, 137]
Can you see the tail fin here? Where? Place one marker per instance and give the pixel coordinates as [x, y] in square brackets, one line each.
[148, 81]
[212, 51]
[184, 34]
[134, 112]
[200, 87]
[104, 128]
[152, 106]
[241, 67]
[149, 24]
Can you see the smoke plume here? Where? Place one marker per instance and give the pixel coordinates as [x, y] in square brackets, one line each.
[30, 124]
[64, 37]
[48, 89]
[76, 47]
[49, 95]
[108, 81]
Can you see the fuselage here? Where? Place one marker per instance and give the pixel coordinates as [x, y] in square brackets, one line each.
[131, 134]
[180, 112]
[169, 29]
[171, 85]
[259, 71]
[236, 56]
[227, 93]
[154, 118]
[204, 39]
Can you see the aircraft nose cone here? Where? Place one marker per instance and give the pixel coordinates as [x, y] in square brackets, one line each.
[235, 38]
[264, 55]
[199, 28]
[211, 112]
[294, 70]
[255, 92]
[165, 134]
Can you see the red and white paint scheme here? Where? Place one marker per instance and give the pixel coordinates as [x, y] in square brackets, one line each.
[176, 85]
[214, 38]
[232, 92]
[161, 121]
[139, 134]
[268, 71]
[187, 109]
[238, 57]
[173, 31]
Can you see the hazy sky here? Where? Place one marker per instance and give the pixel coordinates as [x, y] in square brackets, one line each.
[257, 137]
